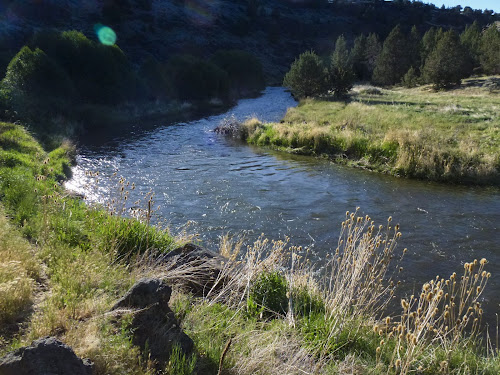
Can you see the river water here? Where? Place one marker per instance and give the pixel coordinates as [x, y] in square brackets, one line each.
[221, 186]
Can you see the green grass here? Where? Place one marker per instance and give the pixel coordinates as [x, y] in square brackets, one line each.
[451, 136]
[77, 262]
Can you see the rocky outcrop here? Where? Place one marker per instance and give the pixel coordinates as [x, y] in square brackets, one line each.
[46, 356]
[154, 326]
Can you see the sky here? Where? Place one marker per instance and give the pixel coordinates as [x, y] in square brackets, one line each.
[474, 4]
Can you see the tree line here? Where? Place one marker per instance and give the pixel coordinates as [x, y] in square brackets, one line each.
[439, 57]
[62, 74]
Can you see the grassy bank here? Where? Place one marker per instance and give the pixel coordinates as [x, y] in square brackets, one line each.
[451, 136]
[63, 265]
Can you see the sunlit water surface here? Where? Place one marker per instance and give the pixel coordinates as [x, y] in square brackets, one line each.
[222, 186]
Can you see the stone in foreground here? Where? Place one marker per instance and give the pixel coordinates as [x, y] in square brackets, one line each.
[46, 356]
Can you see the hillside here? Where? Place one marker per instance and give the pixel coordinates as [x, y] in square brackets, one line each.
[276, 31]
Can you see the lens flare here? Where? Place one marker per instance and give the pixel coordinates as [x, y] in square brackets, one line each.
[105, 34]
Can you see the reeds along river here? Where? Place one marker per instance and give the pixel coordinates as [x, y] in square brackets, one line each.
[223, 186]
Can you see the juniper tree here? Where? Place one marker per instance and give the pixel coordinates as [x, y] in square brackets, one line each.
[358, 58]
[341, 74]
[490, 50]
[471, 40]
[372, 52]
[394, 60]
[307, 76]
[446, 65]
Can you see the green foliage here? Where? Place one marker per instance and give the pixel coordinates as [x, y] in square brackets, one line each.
[268, 295]
[446, 65]
[244, 69]
[306, 76]
[372, 52]
[490, 47]
[197, 79]
[179, 363]
[394, 59]
[471, 40]
[410, 79]
[157, 79]
[306, 304]
[101, 74]
[34, 83]
[341, 75]
[359, 58]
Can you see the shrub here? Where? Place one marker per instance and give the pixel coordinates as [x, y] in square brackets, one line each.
[244, 69]
[268, 294]
[35, 83]
[101, 74]
[155, 76]
[195, 79]
[410, 79]
[307, 76]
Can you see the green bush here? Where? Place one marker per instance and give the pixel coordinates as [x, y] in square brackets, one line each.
[157, 80]
[268, 295]
[101, 74]
[307, 76]
[196, 79]
[410, 79]
[244, 69]
[34, 83]
[305, 304]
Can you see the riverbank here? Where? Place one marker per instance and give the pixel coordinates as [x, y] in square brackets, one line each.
[451, 136]
[64, 264]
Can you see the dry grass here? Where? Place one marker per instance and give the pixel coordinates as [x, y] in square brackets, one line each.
[449, 136]
[18, 271]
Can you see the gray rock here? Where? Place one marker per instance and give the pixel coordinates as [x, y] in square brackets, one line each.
[46, 356]
[208, 266]
[144, 293]
[154, 326]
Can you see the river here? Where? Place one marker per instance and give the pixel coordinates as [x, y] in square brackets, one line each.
[221, 186]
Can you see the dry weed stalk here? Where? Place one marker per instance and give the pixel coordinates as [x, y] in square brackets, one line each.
[358, 282]
[447, 312]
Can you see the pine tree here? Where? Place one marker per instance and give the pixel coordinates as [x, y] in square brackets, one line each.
[445, 66]
[306, 76]
[341, 75]
[394, 60]
[490, 50]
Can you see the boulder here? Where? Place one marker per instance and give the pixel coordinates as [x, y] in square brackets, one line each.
[46, 356]
[208, 265]
[154, 326]
[144, 293]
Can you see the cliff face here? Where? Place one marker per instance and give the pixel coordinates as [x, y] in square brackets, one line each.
[275, 30]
